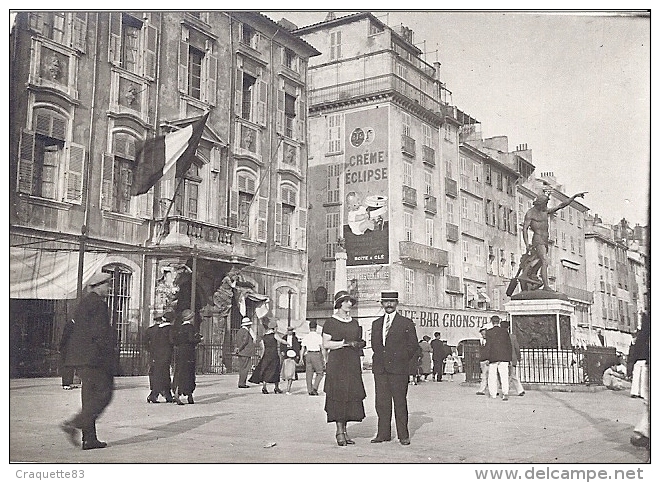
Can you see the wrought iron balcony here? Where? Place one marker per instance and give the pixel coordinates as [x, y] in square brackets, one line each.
[180, 230]
[452, 232]
[430, 204]
[423, 253]
[428, 155]
[407, 145]
[451, 187]
[409, 196]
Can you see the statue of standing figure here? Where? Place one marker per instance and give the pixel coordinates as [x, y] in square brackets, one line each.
[535, 261]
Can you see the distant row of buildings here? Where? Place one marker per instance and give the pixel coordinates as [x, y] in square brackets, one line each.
[322, 139]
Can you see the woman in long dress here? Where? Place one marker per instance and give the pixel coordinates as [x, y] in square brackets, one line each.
[268, 367]
[342, 338]
[425, 345]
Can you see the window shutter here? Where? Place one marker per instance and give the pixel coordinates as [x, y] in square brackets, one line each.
[149, 53]
[302, 114]
[262, 217]
[35, 21]
[278, 223]
[233, 209]
[302, 229]
[211, 74]
[183, 61]
[26, 162]
[106, 181]
[79, 31]
[262, 99]
[114, 42]
[238, 106]
[279, 121]
[74, 174]
[145, 204]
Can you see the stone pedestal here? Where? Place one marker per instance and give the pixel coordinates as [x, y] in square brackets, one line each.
[541, 323]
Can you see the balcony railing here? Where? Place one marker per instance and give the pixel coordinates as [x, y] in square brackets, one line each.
[407, 145]
[454, 284]
[182, 230]
[451, 187]
[428, 155]
[409, 196]
[423, 253]
[382, 84]
[430, 204]
[452, 232]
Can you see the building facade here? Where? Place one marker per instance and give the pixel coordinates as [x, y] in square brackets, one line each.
[86, 89]
[383, 177]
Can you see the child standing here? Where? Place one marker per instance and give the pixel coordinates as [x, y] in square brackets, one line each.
[289, 369]
[450, 366]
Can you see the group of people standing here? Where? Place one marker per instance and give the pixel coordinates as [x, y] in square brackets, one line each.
[161, 339]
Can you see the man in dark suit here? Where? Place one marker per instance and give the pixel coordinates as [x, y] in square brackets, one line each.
[498, 350]
[91, 352]
[162, 350]
[394, 342]
[245, 349]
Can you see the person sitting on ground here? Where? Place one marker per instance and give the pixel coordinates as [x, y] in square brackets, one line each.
[614, 377]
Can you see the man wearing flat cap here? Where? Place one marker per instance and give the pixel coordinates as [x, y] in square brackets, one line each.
[394, 342]
[245, 348]
[91, 351]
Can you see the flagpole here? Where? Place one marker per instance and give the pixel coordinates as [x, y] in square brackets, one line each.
[169, 208]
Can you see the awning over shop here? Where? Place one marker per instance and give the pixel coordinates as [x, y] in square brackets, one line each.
[41, 274]
[583, 337]
[620, 340]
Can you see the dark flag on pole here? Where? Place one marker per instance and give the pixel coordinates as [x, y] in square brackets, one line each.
[156, 156]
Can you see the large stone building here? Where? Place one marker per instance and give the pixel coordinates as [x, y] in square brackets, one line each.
[384, 180]
[85, 89]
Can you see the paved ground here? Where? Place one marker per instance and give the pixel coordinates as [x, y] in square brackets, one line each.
[448, 424]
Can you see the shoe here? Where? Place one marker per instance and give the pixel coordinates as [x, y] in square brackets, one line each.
[314, 392]
[505, 398]
[522, 393]
[277, 390]
[243, 387]
[348, 440]
[640, 440]
[481, 393]
[190, 399]
[341, 439]
[380, 440]
[71, 432]
[152, 400]
[94, 444]
[68, 388]
[177, 400]
[264, 390]
[287, 393]
[404, 441]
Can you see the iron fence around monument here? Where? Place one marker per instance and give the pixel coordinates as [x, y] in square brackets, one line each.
[551, 366]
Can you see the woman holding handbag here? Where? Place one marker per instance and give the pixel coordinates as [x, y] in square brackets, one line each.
[342, 338]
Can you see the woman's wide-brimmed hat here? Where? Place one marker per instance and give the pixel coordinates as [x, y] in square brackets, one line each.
[291, 353]
[341, 296]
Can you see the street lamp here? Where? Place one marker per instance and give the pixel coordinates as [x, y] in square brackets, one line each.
[288, 317]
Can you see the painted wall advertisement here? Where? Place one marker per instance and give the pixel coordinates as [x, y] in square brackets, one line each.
[366, 229]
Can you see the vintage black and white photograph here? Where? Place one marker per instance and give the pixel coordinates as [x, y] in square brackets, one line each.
[330, 236]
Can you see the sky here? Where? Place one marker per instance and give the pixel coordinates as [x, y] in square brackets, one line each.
[574, 86]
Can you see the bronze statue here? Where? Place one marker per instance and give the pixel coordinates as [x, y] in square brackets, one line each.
[535, 261]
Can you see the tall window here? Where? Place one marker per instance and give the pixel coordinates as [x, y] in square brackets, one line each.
[248, 35]
[406, 121]
[130, 43]
[118, 299]
[450, 211]
[466, 251]
[289, 115]
[54, 25]
[246, 193]
[331, 233]
[498, 178]
[476, 172]
[464, 208]
[431, 296]
[290, 59]
[448, 133]
[428, 183]
[335, 45]
[186, 202]
[285, 223]
[428, 140]
[334, 133]
[449, 167]
[429, 231]
[333, 184]
[488, 174]
[407, 173]
[478, 255]
[248, 92]
[563, 240]
[46, 172]
[408, 226]
[409, 275]
[477, 212]
[329, 283]
[195, 58]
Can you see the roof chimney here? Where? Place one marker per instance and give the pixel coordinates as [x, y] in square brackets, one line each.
[330, 16]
